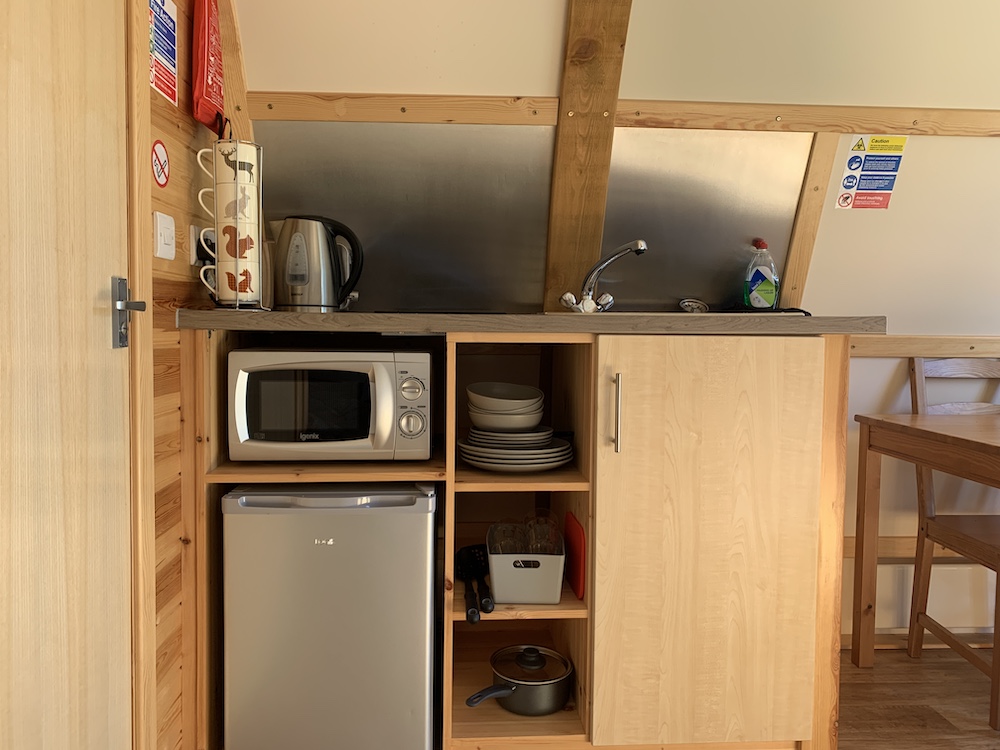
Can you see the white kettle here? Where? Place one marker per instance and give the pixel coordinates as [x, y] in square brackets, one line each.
[317, 264]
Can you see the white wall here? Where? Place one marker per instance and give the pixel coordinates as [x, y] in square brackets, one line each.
[930, 262]
[513, 48]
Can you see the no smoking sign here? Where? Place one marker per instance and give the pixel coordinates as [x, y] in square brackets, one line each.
[161, 164]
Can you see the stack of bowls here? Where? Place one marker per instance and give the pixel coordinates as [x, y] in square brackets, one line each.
[505, 407]
[506, 435]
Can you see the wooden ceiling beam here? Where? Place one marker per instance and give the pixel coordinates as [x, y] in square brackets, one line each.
[806, 118]
[592, 66]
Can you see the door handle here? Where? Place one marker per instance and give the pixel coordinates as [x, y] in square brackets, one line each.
[617, 440]
[122, 306]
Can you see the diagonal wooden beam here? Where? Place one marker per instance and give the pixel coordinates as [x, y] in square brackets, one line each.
[811, 200]
[595, 46]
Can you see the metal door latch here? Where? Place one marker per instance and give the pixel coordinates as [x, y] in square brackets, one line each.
[121, 307]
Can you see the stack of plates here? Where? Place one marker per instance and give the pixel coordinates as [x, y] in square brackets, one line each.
[514, 452]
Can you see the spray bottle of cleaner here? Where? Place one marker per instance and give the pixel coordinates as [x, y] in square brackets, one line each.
[760, 289]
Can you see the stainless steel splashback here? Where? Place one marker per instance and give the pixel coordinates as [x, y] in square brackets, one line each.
[698, 197]
[455, 217]
[451, 217]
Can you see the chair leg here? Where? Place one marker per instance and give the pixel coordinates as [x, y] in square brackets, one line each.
[995, 666]
[921, 588]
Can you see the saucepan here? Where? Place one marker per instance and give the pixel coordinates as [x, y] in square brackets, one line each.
[528, 680]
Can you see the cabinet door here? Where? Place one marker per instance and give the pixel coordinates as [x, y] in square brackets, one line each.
[706, 539]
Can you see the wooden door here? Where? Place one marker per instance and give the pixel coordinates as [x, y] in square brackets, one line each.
[706, 527]
[65, 515]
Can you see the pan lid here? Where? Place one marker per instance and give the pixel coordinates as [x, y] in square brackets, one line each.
[530, 665]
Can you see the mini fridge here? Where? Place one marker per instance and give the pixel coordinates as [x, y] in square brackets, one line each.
[328, 617]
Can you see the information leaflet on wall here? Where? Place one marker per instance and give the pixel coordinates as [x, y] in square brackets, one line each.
[871, 171]
[163, 48]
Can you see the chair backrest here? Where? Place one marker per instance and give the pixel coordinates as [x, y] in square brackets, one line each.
[961, 367]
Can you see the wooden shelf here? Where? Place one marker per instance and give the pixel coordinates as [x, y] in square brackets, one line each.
[566, 478]
[230, 472]
[568, 608]
[488, 723]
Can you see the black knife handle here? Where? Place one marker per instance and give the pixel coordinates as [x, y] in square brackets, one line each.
[485, 595]
[471, 607]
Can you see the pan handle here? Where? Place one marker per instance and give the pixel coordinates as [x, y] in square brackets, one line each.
[493, 691]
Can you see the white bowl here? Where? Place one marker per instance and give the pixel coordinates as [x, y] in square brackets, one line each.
[533, 409]
[503, 396]
[505, 422]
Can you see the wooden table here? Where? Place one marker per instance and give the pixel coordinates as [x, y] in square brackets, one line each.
[966, 446]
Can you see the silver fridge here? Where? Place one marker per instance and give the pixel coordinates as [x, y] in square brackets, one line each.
[328, 619]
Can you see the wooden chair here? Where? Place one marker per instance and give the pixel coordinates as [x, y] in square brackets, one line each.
[975, 537]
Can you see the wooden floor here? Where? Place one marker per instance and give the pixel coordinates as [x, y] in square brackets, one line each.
[937, 702]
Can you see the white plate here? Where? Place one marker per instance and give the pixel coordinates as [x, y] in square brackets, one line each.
[525, 461]
[558, 448]
[534, 434]
[501, 459]
[533, 445]
[512, 438]
[518, 468]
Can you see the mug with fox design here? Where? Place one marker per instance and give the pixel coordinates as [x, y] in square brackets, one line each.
[237, 268]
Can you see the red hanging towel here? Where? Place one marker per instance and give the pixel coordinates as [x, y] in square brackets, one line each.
[207, 66]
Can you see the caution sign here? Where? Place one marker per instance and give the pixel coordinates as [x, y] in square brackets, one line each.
[887, 144]
[869, 181]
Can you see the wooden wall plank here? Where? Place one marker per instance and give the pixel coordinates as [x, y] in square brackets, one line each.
[805, 118]
[810, 208]
[233, 71]
[144, 704]
[864, 345]
[595, 46]
[826, 688]
[900, 549]
[465, 110]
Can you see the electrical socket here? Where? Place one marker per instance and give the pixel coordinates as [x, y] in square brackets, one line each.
[195, 244]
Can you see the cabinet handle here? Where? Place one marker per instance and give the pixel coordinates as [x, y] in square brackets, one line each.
[618, 412]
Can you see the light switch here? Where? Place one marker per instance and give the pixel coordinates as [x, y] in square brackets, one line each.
[166, 246]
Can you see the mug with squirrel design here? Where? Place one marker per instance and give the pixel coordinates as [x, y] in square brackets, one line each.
[237, 269]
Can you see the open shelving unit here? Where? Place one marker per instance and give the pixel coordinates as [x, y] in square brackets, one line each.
[562, 366]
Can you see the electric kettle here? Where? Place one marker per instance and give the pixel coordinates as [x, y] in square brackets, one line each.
[317, 263]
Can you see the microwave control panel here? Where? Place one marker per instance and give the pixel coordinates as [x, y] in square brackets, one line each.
[413, 372]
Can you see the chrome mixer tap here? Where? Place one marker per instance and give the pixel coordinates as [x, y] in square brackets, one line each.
[587, 303]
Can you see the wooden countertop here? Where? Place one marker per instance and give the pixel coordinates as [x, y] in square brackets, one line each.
[569, 322]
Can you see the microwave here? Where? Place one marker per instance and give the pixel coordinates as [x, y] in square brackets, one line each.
[329, 406]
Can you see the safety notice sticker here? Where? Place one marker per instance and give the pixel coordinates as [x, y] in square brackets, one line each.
[871, 171]
[163, 48]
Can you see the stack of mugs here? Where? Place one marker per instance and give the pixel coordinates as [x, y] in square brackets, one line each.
[236, 202]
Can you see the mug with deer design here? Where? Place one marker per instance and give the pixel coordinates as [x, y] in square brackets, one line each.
[233, 160]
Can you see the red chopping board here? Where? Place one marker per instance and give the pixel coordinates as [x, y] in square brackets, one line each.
[576, 554]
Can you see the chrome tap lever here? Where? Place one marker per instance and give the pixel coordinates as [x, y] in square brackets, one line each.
[590, 284]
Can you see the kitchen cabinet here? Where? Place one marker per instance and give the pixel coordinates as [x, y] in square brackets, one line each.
[711, 607]
[707, 517]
